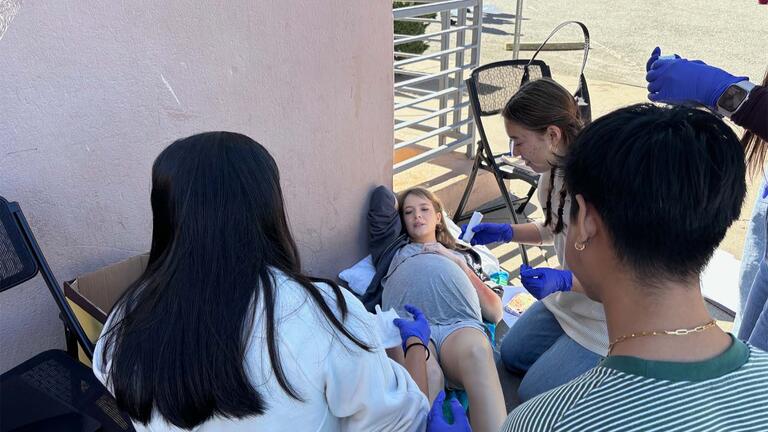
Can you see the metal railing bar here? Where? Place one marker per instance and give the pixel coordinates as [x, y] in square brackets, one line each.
[404, 92]
[425, 98]
[420, 80]
[433, 55]
[429, 35]
[421, 20]
[405, 54]
[430, 154]
[423, 109]
[432, 115]
[430, 8]
[411, 72]
[434, 133]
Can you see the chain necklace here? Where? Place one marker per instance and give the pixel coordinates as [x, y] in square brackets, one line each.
[678, 332]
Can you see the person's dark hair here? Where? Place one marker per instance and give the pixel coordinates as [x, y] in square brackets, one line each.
[537, 105]
[219, 229]
[666, 181]
[755, 148]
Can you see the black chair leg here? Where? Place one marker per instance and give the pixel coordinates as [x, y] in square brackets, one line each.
[510, 207]
[71, 343]
[521, 207]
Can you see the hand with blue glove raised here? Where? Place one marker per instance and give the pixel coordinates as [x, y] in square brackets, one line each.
[418, 327]
[655, 55]
[436, 422]
[543, 281]
[486, 233]
[679, 80]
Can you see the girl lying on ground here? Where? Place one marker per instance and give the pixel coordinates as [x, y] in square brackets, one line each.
[224, 331]
[419, 263]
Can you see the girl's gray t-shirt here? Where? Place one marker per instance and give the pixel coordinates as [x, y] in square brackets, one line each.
[431, 282]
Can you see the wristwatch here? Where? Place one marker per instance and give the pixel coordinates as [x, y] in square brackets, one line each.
[734, 97]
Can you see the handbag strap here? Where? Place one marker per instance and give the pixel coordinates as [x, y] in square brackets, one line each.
[584, 30]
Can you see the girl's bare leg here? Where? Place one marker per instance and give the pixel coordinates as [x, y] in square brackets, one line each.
[466, 357]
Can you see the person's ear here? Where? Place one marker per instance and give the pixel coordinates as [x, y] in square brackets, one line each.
[439, 217]
[586, 221]
[554, 134]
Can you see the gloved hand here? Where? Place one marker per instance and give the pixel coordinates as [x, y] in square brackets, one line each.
[418, 327]
[437, 423]
[486, 233]
[542, 281]
[655, 56]
[680, 80]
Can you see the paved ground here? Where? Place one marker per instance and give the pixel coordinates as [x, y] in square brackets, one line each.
[623, 34]
[733, 34]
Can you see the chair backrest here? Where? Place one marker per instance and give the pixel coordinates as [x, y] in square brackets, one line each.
[21, 259]
[582, 91]
[491, 85]
[17, 265]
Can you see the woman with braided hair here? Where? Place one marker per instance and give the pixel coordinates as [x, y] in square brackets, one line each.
[565, 334]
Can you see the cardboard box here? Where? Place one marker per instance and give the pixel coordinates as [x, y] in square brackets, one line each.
[92, 295]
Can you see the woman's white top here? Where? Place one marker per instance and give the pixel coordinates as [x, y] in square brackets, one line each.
[345, 388]
[581, 318]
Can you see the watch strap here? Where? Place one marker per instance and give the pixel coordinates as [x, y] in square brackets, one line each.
[747, 86]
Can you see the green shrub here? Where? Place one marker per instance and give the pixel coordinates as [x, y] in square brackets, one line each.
[412, 29]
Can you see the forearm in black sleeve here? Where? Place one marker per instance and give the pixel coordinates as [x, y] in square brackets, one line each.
[384, 224]
[753, 115]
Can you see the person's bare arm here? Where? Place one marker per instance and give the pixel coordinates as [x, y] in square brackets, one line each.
[526, 233]
[416, 364]
[490, 303]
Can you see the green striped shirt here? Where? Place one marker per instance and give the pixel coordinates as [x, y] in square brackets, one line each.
[726, 393]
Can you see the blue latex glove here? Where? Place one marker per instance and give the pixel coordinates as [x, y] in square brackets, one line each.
[678, 80]
[486, 233]
[418, 327]
[655, 56]
[543, 281]
[437, 423]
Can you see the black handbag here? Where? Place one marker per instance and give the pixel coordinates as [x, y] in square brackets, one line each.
[581, 95]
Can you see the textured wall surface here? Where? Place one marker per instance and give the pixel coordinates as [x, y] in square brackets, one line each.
[92, 91]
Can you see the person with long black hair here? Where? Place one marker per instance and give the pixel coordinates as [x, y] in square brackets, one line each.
[223, 331]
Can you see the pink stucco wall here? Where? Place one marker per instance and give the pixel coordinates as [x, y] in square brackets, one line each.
[92, 91]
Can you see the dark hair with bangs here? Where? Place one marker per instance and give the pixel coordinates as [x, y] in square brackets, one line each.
[666, 181]
[219, 230]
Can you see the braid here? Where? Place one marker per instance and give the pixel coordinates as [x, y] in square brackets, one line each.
[560, 225]
[548, 212]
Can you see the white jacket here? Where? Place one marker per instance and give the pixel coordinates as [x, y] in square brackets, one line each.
[345, 387]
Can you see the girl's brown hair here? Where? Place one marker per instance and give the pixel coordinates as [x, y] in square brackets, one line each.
[442, 234]
[755, 148]
[540, 104]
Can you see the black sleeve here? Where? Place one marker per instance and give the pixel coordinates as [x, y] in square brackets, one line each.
[753, 115]
[384, 224]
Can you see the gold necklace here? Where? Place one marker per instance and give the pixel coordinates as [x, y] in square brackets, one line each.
[678, 332]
